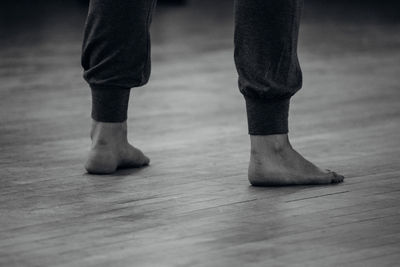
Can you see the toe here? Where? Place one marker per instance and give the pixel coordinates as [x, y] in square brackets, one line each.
[146, 160]
[337, 178]
[133, 158]
[140, 158]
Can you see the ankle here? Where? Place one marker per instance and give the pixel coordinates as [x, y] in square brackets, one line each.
[105, 133]
[262, 144]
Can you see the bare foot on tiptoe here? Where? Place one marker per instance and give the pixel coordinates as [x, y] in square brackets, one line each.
[273, 162]
[111, 150]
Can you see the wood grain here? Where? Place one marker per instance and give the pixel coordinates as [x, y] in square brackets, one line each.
[193, 205]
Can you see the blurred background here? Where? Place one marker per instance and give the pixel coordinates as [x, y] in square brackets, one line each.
[346, 48]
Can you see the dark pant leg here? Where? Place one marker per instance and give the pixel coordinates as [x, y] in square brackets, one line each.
[266, 33]
[116, 54]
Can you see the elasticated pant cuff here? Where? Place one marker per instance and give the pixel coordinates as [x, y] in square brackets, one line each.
[266, 117]
[110, 104]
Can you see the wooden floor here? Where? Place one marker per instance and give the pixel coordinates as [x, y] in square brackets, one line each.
[193, 205]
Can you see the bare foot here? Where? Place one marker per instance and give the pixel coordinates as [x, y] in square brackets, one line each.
[273, 162]
[111, 150]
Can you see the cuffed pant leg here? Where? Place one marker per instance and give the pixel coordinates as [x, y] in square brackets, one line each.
[110, 104]
[266, 34]
[116, 54]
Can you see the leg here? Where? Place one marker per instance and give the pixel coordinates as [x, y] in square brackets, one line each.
[115, 58]
[266, 33]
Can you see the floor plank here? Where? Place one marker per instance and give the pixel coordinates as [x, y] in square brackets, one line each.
[193, 205]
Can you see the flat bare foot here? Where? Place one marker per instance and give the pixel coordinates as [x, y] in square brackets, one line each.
[273, 162]
[110, 149]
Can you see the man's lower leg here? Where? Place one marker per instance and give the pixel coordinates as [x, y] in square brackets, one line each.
[115, 58]
[266, 34]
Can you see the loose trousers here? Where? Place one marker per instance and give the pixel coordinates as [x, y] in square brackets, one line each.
[116, 57]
